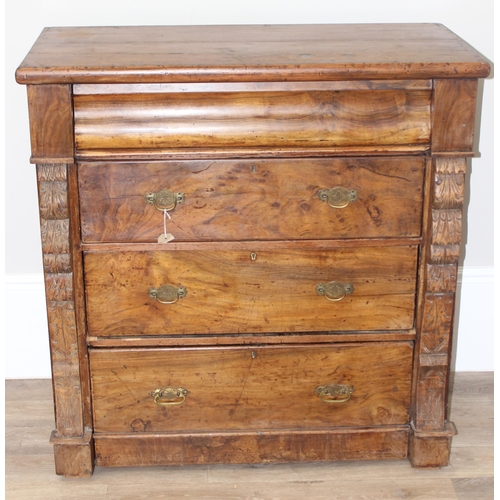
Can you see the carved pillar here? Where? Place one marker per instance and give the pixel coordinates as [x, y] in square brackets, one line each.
[432, 433]
[71, 440]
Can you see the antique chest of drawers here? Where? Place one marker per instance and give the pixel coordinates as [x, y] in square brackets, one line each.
[250, 239]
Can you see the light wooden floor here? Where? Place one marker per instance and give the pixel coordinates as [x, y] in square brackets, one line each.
[30, 471]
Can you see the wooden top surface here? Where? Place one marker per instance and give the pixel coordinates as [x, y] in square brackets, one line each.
[151, 54]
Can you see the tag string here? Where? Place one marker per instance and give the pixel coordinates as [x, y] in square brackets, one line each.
[165, 215]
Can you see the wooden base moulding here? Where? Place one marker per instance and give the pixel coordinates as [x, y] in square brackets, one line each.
[389, 443]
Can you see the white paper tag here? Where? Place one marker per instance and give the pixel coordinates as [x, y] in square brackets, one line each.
[165, 238]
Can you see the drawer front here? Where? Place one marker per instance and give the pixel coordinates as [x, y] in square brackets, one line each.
[267, 288]
[251, 388]
[261, 199]
[313, 119]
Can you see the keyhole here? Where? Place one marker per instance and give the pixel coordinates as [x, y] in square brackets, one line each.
[253, 256]
[254, 168]
[254, 354]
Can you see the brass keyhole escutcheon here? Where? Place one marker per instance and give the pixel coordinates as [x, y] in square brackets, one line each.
[253, 256]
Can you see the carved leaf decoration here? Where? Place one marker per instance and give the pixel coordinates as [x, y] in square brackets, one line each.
[55, 236]
[451, 165]
[449, 191]
[445, 254]
[446, 227]
[59, 287]
[57, 263]
[441, 278]
[51, 172]
[53, 200]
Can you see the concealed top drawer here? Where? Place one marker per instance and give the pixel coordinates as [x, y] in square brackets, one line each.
[303, 119]
[260, 199]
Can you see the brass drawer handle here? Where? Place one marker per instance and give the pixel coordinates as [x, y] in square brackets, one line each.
[167, 294]
[335, 393]
[334, 291]
[169, 396]
[338, 197]
[165, 199]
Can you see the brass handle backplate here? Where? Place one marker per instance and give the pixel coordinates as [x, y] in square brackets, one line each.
[334, 393]
[165, 199]
[334, 291]
[169, 396]
[167, 294]
[338, 197]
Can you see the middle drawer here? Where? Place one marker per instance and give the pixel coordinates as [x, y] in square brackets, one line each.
[274, 199]
[218, 288]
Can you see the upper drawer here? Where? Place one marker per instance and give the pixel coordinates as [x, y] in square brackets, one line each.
[269, 119]
[261, 199]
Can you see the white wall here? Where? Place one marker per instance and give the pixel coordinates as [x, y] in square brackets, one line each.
[470, 19]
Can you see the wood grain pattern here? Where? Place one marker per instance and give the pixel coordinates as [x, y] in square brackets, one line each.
[51, 123]
[432, 389]
[435, 333]
[258, 119]
[253, 388]
[477, 488]
[259, 199]
[453, 115]
[239, 295]
[387, 443]
[249, 53]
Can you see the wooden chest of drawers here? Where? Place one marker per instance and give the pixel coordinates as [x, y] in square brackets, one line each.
[250, 239]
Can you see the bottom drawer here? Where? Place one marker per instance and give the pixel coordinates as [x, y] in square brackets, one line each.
[245, 388]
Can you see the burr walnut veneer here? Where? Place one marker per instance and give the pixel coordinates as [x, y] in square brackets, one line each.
[250, 239]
